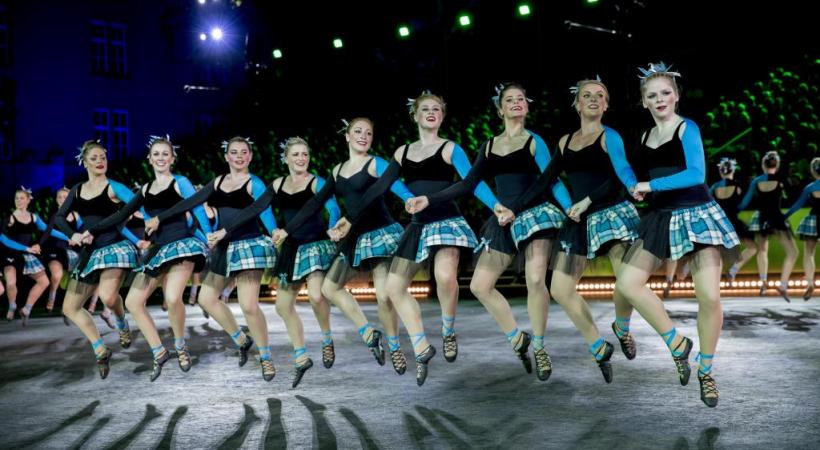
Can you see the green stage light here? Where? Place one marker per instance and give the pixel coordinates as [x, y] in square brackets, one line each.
[524, 9]
[403, 31]
[464, 20]
[337, 43]
[277, 54]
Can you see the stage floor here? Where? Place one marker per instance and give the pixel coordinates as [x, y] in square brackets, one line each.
[767, 368]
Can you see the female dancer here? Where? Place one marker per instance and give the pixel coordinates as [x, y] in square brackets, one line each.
[767, 191]
[683, 221]
[603, 221]
[513, 159]
[59, 258]
[727, 194]
[18, 232]
[247, 254]
[435, 236]
[304, 257]
[807, 230]
[369, 248]
[104, 256]
[173, 257]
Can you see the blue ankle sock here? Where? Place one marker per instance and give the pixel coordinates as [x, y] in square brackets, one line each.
[179, 343]
[297, 352]
[26, 310]
[705, 363]
[622, 325]
[264, 353]
[363, 331]
[537, 342]
[669, 337]
[596, 347]
[511, 336]
[96, 344]
[419, 341]
[448, 324]
[327, 338]
[393, 343]
[121, 323]
[157, 350]
[236, 336]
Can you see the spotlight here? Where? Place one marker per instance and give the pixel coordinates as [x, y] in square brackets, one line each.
[277, 54]
[337, 43]
[524, 10]
[216, 33]
[403, 31]
[465, 20]
[203, 37]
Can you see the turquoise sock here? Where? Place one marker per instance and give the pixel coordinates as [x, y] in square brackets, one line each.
[537, 342]
[157, 350]
[669, 337]
[96, 344]
[622, 325]
[448, 324]
[297, 352]
[596, 349]
[236, 336]
[264, 353]
[26, 310]
[393, 343]
[363, 331]
[121, 322]
[705, 363]
[511, 336]
[327, 338]
[179, 343]
[419, 341]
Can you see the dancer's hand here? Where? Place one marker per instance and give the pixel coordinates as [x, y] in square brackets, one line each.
[34, 249]
[505, 215]
[215, 237]
[640, 190]
[76, 239]
[579, 208]
[151, 225]
[278, 236]
[88, 238]
[142, 244]
[340, 230]
[416, 205]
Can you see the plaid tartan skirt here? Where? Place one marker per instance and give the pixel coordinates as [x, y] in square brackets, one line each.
[767, 222]
[672, 233]
[250, 254]
[161, 257]
[119, 255]
[379, 243]
[31, 264]
[536, 222]
[73, 258]
[296, 261]
[418, 242]
[808, 228]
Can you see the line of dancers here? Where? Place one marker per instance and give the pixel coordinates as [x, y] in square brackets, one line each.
[536, 223]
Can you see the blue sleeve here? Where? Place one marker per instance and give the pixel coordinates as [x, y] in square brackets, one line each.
[122, 192]
[331, 205]
[462, 166]
[257, 189]
[200, 235]
[79, 220]
[617, 155]
[14, 245]
[803, 197]
[750, 193]
[542, 159]
[129, 235]
[695, 172]
[187, 189]
[43, 227]
[398, 186]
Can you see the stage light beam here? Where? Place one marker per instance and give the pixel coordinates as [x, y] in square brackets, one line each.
[524, 10]
[337, 43]
[465, 20]
[217, 33]
[277, 54]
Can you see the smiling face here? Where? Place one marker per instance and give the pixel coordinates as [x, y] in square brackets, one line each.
[161, 157]
[239, 155]
[429, 113]
[660, 97]
[297, 158]
[22, 200]
[359, 135]
[96, 161]
[592, 100]
[513, 103]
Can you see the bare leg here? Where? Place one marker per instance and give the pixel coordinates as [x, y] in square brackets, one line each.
[809, 246]
[55, 268]
[387, 312]
[537, 256]
[787, 241]
[10, 273]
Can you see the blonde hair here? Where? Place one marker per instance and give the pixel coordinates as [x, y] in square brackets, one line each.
[414, 107]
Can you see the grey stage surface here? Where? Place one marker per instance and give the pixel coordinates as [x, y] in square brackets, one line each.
[767, 368]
